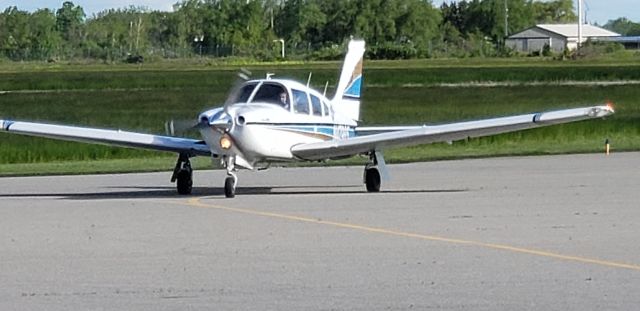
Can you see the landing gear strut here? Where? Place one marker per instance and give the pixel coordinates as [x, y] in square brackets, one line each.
[231, 180]
[183, 174]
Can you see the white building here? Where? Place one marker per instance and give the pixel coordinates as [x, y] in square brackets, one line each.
[558, 37]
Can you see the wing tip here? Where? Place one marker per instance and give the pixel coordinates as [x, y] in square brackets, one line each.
[5, 124]
[601, 111]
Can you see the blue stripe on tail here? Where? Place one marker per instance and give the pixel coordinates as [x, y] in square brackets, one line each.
[353, 90]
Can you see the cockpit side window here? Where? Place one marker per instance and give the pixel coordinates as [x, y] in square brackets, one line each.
[245, 92]
[272, 94]
[316, 105]
[326, 111]
[301, 102]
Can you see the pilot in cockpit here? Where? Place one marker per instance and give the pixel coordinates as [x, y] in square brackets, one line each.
[283, 100]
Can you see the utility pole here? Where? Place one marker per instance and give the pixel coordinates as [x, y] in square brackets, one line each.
[579, 23]
[506, 20]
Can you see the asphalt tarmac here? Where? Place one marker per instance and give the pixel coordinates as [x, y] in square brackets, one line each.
[526, 233]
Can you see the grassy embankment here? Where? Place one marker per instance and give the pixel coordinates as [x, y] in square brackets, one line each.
[141, 99]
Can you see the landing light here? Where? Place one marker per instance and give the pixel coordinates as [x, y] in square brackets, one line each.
[225, 142]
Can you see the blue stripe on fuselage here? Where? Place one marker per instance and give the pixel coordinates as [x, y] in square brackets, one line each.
[329, 130]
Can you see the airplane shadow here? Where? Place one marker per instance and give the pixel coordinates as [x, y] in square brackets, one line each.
[143, 192]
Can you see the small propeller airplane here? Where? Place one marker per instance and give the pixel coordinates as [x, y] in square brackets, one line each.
[275, 120]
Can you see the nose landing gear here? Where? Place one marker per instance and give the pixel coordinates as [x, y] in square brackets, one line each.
[230, 186]
[232, 179]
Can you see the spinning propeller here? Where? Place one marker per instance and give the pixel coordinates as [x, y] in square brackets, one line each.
[223, 122]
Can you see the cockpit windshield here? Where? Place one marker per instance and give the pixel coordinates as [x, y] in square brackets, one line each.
[273, 94]
[242, 95]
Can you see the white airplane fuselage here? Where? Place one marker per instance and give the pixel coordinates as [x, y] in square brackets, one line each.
[262, 132]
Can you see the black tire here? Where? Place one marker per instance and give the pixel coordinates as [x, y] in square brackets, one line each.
[372, 179]
[184, 184]
[229, 187]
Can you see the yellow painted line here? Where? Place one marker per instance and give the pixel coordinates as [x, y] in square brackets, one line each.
[195, 202]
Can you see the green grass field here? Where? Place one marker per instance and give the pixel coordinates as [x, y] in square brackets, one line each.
[142, 99]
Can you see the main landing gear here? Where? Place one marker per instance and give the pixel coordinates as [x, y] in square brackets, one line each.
[183, 175]
[231, 180]
[372, 177]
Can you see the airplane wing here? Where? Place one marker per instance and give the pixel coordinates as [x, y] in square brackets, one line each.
[107, 137]
[384, 137]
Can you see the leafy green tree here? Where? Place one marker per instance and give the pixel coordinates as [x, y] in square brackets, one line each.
[519, 16]
[15, 37]
[114, 34]
[300, 22]
[316, 28]
[556, 11]
[623, 26]
[339, 23]
[69, 20]
[44, 37]
[417, 22]
[477, 18]
[70, 24]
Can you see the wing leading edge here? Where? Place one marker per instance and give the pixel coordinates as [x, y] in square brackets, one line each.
[107, 137]
[409, 136]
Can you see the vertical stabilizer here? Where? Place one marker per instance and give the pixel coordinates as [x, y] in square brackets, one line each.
[347, 98]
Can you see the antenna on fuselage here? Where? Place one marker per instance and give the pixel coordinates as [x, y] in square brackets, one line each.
[309, 79]
[269, 75]
[244, 74]
[326, 85]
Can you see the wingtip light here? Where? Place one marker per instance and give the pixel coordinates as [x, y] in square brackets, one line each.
[610, 106]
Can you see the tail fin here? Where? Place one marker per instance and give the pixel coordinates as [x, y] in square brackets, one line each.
[347, 98]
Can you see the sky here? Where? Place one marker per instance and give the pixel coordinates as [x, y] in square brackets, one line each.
[597, 11]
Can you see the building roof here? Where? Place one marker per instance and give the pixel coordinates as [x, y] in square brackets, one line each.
[571, 30]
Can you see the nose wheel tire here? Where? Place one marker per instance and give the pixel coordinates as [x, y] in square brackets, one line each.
[372, 179]
[230, 187]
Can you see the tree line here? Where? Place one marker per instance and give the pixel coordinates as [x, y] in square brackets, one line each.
[311, 29]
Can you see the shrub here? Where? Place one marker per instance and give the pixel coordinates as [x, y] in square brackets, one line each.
[591, 49]
[546, 51]
[333, 52]
[392, 51]
[134, 59]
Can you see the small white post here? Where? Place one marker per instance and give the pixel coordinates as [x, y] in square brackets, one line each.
[282, 45]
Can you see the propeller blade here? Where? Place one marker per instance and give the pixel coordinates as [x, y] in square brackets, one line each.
[241, 77]
[179, 127]
[222, 124]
